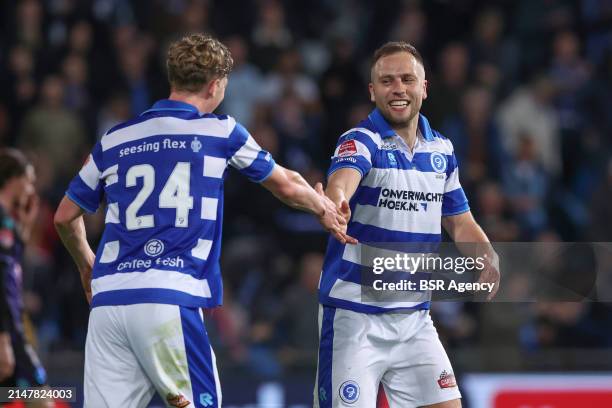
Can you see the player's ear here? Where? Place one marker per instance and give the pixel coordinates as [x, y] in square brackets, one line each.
[425, 83]
[211, 87]
[371, 88]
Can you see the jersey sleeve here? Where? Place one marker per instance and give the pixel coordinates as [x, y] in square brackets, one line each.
[354, 150]
[246, 156]
[86, 189]
[454, 201]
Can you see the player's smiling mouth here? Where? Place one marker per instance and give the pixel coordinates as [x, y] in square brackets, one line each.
[399, 104]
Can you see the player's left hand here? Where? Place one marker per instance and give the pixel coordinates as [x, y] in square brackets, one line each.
[491, 274]
[332, 220]
[85, 274]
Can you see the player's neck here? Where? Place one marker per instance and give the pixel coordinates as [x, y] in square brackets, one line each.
[408, 133]
[204, 105]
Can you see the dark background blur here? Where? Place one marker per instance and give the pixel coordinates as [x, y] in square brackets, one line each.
[522, 88]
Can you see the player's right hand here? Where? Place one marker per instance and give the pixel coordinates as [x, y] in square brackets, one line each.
[85, 274]
[345, 210]
[332, 219]
[7, 358]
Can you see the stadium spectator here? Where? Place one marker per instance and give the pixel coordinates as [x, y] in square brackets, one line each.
[50, 127]
[476, 134]
[244, 90]
[270, 36]
[449, 84]
[530, 110]
[527, 185]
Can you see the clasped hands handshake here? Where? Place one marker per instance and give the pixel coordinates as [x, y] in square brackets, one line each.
[336, 217]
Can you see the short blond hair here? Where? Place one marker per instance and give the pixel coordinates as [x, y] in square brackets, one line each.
[393, 47]
[195, 60]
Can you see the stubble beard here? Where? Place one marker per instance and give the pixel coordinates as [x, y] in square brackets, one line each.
[399, 123]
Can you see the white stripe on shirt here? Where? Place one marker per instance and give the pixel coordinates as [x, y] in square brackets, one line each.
[168, 125]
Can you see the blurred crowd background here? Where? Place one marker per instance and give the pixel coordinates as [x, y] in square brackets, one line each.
[522, 88]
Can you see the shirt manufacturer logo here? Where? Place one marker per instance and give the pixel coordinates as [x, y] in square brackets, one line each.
[322, 394]
[206, 399]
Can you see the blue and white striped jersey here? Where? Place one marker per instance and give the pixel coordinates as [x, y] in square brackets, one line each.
[162, 175]
[401, 198]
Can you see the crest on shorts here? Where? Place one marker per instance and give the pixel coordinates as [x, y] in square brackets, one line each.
[178, 400]
[349, 392]
[447, 380]
[438, 162]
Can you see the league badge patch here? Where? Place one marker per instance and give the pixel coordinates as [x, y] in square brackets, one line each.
[347, 148]
[446, 380]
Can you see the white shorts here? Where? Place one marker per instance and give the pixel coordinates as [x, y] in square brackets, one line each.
[358, 351]
[134, 350]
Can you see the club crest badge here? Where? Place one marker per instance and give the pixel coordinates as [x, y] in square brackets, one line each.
[438, 162]
[349, 392]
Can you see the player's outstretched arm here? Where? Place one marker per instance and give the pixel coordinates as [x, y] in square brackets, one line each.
[341, 186]
[463, 228]
[71, 229]
[291, 188]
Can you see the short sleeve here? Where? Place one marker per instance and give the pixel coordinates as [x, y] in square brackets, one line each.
[454, 201]
[353, 150]
[86, 189]
[247, 157]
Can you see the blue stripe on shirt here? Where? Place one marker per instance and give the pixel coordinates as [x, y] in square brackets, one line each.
[364, 308]
[150, 295]
[357, 162]
[363, 275]
[371, 233]
[236, 140]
